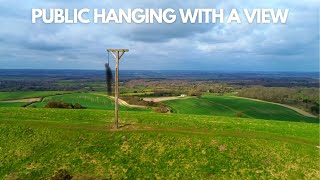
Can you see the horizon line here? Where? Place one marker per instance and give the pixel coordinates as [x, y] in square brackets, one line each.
[282, 71]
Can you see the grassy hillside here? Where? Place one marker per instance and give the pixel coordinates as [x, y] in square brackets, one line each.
[87, 100]
[34, 143]
[230, 106]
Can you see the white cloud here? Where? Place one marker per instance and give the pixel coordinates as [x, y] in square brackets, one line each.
[175, 46]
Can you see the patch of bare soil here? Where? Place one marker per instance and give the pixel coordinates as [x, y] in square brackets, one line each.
[159, 99]
[27, 100]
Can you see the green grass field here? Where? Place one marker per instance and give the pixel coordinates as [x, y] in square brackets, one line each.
[36, 142]
[87, 100]
[27, 94]
[5, 96]
[229, 106]
[206, 105]
[12, 104]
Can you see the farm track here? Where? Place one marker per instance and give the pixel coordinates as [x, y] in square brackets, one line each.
[121, 101]
[26, 100]
[160, 99]
[300, 111]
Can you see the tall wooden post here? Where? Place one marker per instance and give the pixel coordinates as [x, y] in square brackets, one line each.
[116, 87]
[117, 56]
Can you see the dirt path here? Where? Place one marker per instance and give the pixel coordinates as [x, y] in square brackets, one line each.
[159, 99]
[26, 100]
[122, 102]
[300, 111]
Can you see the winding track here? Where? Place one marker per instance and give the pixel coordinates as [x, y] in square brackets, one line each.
[122, 102]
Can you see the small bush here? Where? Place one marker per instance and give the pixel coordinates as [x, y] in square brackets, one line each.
[58, 104]
[195, 93]
[166, 92]
[162, 109]
[77, 106]
[239, 114]
[64, 105]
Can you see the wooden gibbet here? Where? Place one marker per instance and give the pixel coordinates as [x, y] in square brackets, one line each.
[117, 53]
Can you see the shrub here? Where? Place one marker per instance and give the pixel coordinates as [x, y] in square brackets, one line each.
[315, 108]
[239, 114]
[64, 105]
[77, 106]
[194, 93]
[162, 109]
[166, 92]
[58, 104]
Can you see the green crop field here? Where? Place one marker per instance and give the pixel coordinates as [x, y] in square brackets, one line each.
[11, 104]
[230, 106]
[27, 94]
[7, 96]
[87, 100]
[37, 142]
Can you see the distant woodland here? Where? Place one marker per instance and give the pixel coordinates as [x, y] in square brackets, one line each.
[299, 90]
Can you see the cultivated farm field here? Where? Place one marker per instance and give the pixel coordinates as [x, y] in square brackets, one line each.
[27, 94]
[233, 106]
[21, 98]
[87, 100]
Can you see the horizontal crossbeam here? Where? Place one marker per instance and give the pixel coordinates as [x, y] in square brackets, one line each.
[118, 50]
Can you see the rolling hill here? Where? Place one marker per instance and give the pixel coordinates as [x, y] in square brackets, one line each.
[87, 100]
[233, 106]
[207, 105]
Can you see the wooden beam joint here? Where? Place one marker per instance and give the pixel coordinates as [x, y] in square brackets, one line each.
[115, 52]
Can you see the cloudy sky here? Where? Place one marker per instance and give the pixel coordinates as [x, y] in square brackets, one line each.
[293, 46]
